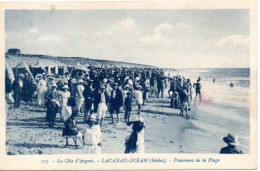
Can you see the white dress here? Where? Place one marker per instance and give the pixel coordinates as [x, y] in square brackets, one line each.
[65, 109]
[41, 90]
[139, 97]
[92, 137]
[140, 142]
[79, 97]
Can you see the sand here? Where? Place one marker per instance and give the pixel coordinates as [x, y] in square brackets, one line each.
[28, 133]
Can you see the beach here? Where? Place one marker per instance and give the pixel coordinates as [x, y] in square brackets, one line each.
[165, 131]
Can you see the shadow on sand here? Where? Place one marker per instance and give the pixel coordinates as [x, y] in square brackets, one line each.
[38, 145]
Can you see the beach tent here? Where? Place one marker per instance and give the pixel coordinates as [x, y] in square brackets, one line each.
[23, 68]
[79, 70]
[37, 68]
[9, 71]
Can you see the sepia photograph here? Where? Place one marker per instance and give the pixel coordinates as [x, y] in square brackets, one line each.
[129, 81]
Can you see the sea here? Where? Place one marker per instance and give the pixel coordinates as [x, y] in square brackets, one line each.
[222, 110]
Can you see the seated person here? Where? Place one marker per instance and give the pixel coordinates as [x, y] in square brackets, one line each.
[92, 136]
[71, 130]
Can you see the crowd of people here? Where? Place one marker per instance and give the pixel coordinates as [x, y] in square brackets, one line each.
[100, 91]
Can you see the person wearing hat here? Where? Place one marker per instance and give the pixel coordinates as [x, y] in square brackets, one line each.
[128, 105]
[101, 98]
[116, 102]
[52, 105]
[79, 99]
[232, 142]
[71, 129]
[88, 97]
[138, 94]
[135, 142]
[65, 108]
[92, 136]
[17, 87]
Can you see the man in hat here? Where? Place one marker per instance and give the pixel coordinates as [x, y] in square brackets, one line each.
[116, 102]
[92, 136]
[88, 96]
[102, 99]
[17, 87]
[52, 105]
[232, 142]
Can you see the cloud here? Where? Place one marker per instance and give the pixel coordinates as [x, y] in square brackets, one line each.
[157, 38]
[163, 27]
[125, 26]
[33, 30]
[48, 38]
[166, 34]
[234, 41]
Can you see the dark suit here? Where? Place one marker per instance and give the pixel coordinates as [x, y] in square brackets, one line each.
[18, 90]
[116, 101]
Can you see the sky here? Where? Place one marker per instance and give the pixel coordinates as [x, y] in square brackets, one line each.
[164, 38]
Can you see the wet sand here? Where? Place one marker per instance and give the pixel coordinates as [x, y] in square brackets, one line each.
[28, 133]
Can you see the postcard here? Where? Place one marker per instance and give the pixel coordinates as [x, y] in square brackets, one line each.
[128, 85]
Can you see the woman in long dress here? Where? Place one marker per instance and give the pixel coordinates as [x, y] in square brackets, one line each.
[65, 109]
[79, 97]
[41, 90]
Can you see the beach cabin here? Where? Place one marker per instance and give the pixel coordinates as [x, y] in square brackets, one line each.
[15, 52]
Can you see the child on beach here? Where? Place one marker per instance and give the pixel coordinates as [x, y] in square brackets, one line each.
[128, 106]
[92, 136]
[175, 100]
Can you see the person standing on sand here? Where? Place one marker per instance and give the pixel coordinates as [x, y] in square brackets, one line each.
[128, 105]
[135, 142]
[232, 142]
[139, 98]
[52, 105]
[41, 90]
[88, 97]
[116, 102]
[214, 80]
[79, 99]
[17, 87]
[197, 87]
[102, 99]
[160, 86]
[65, 109]
[184, 100]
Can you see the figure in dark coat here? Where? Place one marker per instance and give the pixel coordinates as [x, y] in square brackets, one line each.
[88, 96]
[17, 87]
[52, 106]
[116, 102]
[232, 142]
